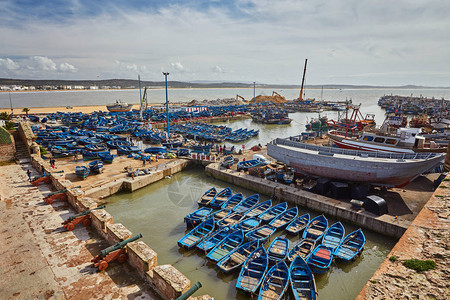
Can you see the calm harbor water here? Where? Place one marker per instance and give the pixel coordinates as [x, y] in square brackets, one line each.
[157, 211]
[103, 97]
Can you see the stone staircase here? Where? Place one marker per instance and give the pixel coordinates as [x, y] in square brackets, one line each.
[21, 154]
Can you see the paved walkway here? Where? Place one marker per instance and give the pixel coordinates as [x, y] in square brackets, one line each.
[41, 261]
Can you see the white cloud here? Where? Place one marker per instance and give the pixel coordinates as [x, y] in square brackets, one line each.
[218, 69]
[177, 66]
[66, 67]
[8, 64]
[42, 63]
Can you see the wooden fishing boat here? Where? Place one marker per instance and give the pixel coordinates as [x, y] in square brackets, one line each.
[89, 155]
[196, 235]
[213, 239]
[220, 214]
[351, 247]
[298, 224]
[275, 282]
[96, 147]
[316, 228]
[247, 204]
[278, 250]
[302, 280]
[127, 150]
[303, 248]
[221, 197]
[228, 244]
[262, 234]
[333, 236]
[319, 261]
[207, 197]
[230, 220]
[227, 162]
[273, 212]
[96, 166]
[198, 216]
[259, 209]
[106, 157]
[253, 271]
[233, 201]
[247, 164]
[247, 224]
[114, 143]
[82, 171]
[283, 219]
[236, 258]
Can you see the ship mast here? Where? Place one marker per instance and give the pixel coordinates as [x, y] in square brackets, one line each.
[303, 81]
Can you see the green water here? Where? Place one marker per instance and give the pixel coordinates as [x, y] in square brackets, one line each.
[157, 211]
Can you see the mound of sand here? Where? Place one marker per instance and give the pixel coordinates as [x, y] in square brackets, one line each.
[273, 99]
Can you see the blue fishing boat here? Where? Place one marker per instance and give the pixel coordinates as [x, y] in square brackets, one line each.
[247, 224]
[230, 220]
[351, 247]
[227, 162]
[198, 216]
[96, 147]
[262, 234]
[273, 212]
[156, 150]
[298, 224]
[82, 171]
[106, 157]
[221, 197]
[319, 261]
[253, 271]
[207, 197]
[212, 240]
[247, 203]
[278, 250]
[220, 214]
[96, 166]
[316, 228]
[303, 248]
[124, 150]
[196, 235]
[115, 143]
[233, 201]
[302, 280]
[89, 155]
[228, 244]
[283, 219]
[333, 236]
[236, 258]
[275, 282]
[259, 209]
[247, 164]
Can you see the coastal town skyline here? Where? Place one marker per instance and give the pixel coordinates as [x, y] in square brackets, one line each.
[346, 42]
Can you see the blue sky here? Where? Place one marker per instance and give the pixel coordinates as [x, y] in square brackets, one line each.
[346, 41]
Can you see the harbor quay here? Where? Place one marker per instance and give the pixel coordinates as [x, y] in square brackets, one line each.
[149, 280]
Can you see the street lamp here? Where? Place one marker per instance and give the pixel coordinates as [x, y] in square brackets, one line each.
[167, 106]
[254, 91]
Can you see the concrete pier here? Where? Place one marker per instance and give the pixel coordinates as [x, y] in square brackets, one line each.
[386, 224]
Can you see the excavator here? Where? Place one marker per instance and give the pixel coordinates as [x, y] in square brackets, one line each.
[240, 97]
[275, 93]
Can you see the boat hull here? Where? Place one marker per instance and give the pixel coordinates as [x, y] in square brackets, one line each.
[383, 169]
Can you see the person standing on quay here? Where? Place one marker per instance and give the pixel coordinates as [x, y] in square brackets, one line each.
[29, 175]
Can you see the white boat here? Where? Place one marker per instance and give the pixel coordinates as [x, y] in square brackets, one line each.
[119, 106]
[405, 140]
[377, 168]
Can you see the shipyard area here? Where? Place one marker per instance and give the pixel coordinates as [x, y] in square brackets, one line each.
[224, 200]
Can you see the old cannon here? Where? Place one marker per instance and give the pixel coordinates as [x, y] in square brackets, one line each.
[58, 195]
[41, 178]
[115, 252]
[83, 217]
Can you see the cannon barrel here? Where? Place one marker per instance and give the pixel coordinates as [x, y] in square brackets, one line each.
[86, 212]
[191, 291]
[119, 245]
[57, 192]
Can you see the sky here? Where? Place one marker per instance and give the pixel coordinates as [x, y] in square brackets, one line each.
[361, 42]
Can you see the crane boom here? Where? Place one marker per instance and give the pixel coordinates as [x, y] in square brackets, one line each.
[303, 81]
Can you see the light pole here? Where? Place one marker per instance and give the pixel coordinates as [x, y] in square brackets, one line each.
[254, 95]
[167, 106]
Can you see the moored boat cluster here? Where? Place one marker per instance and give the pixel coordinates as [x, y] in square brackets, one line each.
[233, 232]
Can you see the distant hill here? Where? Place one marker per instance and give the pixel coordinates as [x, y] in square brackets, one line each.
[132, 83]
